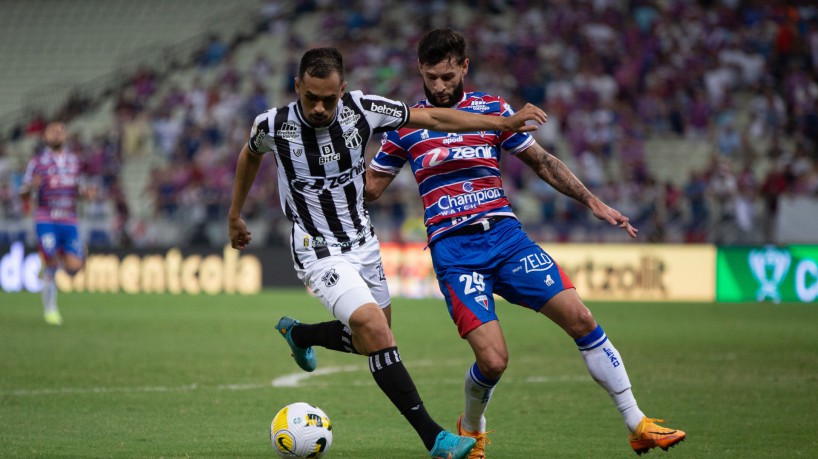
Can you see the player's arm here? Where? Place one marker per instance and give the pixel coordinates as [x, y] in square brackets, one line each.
[31, 181]
[246, 171]
[450, 120]
[553, 171]
[376, 183]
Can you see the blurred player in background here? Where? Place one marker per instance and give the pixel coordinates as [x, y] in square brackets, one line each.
[318, 143]
[478, 246]
[55, 176]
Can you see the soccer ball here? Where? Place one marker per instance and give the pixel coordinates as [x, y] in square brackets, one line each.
[301, 430]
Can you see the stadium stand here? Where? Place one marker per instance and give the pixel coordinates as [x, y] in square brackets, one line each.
[694, 118]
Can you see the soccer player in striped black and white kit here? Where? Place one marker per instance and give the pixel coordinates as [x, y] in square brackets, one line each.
[318, 143]
[478, 246]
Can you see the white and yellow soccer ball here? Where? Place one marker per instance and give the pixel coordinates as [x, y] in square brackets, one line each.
[301, 430]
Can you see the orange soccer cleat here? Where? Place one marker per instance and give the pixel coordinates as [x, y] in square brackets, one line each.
[482, 439]
[649, 435]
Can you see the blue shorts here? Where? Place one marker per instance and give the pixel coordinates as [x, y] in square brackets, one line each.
[471, 268]
[59, 239]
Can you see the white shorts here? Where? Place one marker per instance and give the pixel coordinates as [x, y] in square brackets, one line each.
[358, 272]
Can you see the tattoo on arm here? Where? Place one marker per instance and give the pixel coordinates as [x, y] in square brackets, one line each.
[549, 168]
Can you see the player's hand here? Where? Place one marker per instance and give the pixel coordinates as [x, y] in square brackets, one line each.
[239, 236]
[604, 212]
[525, 120]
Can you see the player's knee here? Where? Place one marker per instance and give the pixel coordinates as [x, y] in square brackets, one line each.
[371, 330]
[583, 323]
[493, 365]
[72, 268]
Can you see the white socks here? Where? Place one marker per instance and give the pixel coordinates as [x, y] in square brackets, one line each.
[607, 368]
[49, 292]
[478, 390]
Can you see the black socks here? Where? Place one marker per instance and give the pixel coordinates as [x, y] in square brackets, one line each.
[395, 382]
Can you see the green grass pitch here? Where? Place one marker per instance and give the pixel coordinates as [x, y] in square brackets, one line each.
[181, 376]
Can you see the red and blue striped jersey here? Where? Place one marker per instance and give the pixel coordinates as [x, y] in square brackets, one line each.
[458, 175]
[57, 177]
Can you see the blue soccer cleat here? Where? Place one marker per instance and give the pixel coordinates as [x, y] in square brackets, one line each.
[450, 446]
[305, 358]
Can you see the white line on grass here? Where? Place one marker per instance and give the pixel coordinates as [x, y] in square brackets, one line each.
[300, 379]
[296, 379]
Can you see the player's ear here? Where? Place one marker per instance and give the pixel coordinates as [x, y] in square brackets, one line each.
[465, 66]
[297, 86]
[343, 89]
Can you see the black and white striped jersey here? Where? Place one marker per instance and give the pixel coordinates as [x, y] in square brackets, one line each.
[321, 169]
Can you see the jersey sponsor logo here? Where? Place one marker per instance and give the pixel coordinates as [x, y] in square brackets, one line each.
[348, 117]
[424, 134]
[352, 139]
[548, 281]
[480, 151]
[298, 151]
[468, 187]
[328, 155]
[334, 181]
[435, 157]
[288, 131]
[451, 204]
[452, 138]
[537, 262]
[330, 278]
[479, 105]
[258, 140]
[383, 107]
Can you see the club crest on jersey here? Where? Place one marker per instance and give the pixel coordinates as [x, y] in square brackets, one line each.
[330, 278]
[348, 117]
[352, 139]
[435, 157]
[288, 131]
[482, 300]
[424, 134]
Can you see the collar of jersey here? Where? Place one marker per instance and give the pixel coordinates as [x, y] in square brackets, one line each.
[299, 112]
[463, 99]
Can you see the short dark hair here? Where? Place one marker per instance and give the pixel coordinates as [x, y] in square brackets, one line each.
[440, 45]
[321, 62]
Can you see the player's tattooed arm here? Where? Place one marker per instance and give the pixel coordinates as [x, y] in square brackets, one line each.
[553, 171]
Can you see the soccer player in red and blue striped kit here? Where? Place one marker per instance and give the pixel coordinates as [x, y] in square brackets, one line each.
[55, 175]
[479, 248]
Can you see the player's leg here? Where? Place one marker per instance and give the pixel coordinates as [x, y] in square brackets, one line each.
[491, 359]
[463, 265]
[335, 335]
[601, 357]
[332, 335]
[47, 245]
[607, 367]
[350, 300]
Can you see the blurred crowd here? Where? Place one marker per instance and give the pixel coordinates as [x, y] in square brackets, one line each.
[740, 76]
